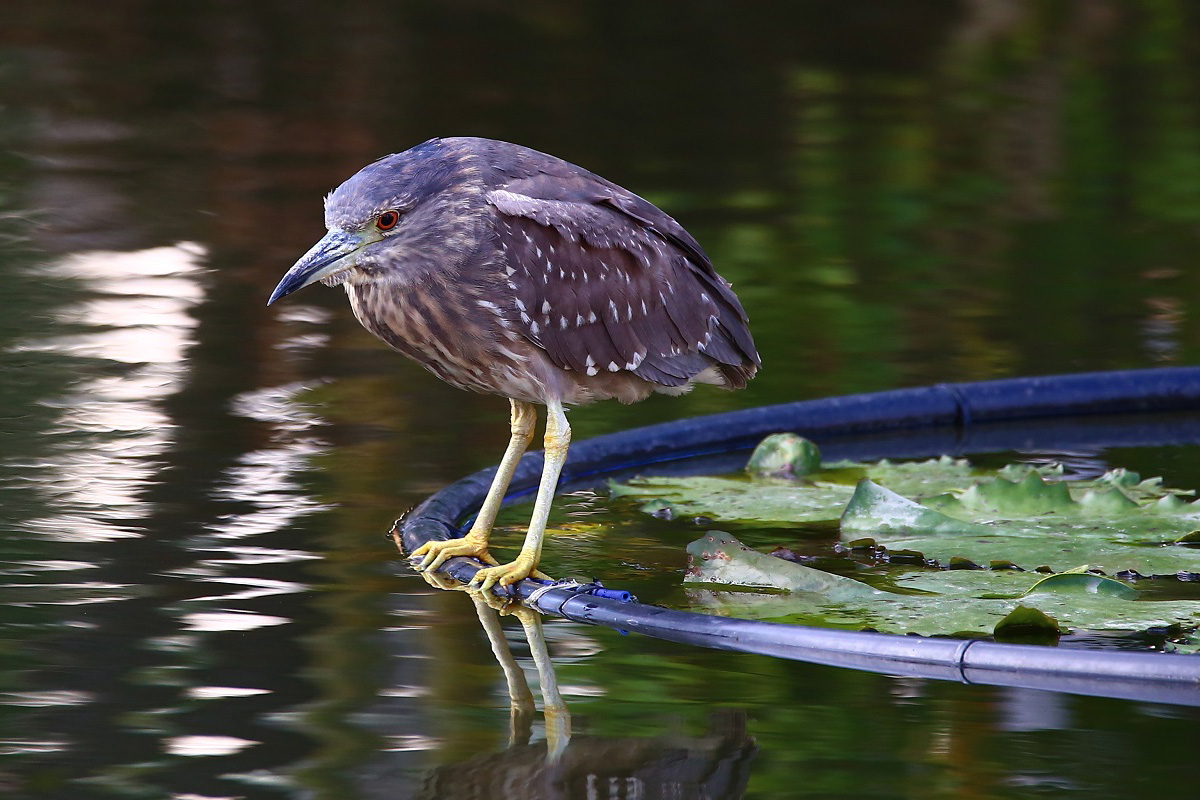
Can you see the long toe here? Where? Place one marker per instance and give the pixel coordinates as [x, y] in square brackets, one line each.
[434, 554]
[503, 574]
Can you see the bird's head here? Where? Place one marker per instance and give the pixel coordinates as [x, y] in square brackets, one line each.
[395, 220]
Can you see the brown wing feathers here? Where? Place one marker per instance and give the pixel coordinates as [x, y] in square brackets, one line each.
[605, 288]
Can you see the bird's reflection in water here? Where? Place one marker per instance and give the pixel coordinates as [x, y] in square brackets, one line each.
[714, 766]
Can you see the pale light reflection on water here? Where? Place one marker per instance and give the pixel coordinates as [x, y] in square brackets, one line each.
[130, 327]
[133, 314]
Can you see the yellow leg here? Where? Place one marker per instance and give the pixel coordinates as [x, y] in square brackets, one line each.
[474, 544]
[558, 439]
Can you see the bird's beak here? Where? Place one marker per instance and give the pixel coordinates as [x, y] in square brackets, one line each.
[331, 254]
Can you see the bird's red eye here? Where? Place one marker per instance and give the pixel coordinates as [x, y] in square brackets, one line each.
[387, 220]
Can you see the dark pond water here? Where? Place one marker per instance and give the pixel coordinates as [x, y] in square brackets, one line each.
[199, 601]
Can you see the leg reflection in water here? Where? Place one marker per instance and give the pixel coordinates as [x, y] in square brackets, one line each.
[714, 765]
[558, 718]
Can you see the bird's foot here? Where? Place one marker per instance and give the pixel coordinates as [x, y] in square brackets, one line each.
[507, 574]
[435, 553]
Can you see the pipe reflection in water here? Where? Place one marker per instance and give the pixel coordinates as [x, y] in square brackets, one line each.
[716, 765]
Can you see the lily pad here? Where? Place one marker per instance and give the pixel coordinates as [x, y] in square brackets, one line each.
[820, 497]
[1031, 496]
[918, 515]
[1079, 580]
[873, 508]
[740, 499]
[970, 601]
[1035, 521]
[717, 557]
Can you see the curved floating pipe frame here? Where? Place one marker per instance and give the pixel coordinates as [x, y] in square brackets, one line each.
[1087, 410]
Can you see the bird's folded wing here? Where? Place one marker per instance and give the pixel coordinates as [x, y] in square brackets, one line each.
[602, 287]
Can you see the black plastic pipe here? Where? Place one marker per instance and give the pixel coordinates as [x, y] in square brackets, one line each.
[1156, 406]
[1150, 677]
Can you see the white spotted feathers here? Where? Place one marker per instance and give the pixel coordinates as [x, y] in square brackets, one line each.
[617, 285]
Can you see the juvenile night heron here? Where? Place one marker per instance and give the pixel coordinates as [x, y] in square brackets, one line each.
[508, 271]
